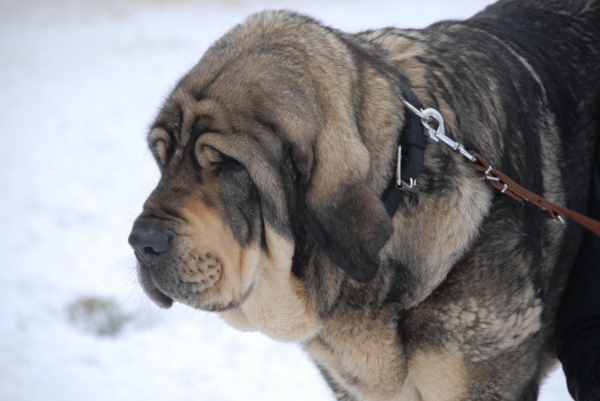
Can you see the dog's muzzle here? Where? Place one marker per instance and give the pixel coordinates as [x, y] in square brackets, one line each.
[151, 243]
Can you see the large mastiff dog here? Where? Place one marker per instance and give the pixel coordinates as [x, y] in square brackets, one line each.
[275, 151]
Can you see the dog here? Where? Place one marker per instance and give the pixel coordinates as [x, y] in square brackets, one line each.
[276, 149]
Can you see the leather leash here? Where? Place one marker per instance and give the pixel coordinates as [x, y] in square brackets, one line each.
[505, 185]
[413, 165]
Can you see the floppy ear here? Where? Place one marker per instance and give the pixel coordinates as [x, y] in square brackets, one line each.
[344, 215]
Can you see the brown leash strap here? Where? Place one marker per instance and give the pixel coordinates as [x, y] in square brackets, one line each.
[498, 180]
[508, 187]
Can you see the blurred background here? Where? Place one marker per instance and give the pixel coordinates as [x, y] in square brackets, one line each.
[80, 82]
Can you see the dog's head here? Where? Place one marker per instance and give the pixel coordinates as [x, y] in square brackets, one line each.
[259, 141]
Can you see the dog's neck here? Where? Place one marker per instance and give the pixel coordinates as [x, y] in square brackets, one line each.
[438, 220]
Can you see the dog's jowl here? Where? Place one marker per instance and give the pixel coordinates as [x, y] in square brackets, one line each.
[275, 151]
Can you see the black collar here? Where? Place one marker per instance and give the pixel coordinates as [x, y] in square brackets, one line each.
[411, 149]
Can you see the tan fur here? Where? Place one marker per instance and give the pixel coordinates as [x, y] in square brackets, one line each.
[207, 235]
[159, 142]
[447, 225]
[277, 305]
[373, 366]
[438, 376]
[404, 53]
[363, 354]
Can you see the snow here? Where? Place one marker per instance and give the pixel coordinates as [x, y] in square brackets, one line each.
[80, 82]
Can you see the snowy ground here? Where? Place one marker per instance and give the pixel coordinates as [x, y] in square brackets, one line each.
[79, 83]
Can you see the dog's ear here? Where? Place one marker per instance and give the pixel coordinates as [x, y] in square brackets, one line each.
[344, 215]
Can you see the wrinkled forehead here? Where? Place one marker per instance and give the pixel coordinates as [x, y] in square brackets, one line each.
[268, 86]
[230, 127]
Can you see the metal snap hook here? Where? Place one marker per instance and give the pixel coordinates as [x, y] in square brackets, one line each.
[399, 183]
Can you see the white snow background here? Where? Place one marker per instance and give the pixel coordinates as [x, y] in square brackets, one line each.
[80, 82]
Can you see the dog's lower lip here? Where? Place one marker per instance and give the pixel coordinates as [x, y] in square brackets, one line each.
[165, 300]
[152, 290]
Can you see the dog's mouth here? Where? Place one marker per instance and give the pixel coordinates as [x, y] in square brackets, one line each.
[152, 290]
[161, 290]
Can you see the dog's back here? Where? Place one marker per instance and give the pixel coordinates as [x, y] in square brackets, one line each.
[519, 83]
[558, 42]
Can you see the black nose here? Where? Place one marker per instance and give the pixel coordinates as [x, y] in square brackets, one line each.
[148, 240]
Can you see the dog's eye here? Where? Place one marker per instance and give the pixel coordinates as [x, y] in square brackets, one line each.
[159, 141]
[230, 165]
